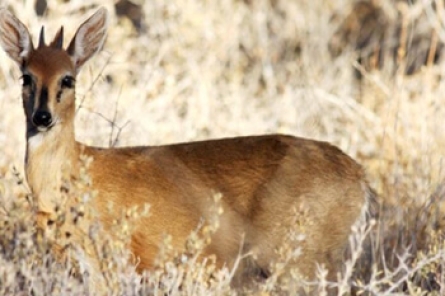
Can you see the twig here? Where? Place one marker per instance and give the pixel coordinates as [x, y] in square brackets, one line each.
[96, 79]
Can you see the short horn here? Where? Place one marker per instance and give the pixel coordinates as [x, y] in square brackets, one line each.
[58, 39]
[42, 37]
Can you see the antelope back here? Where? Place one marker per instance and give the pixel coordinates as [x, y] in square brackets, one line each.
[48, 70]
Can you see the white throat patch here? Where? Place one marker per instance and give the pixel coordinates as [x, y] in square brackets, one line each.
[35, 141]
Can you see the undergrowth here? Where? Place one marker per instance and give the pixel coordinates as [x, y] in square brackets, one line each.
[207, 69]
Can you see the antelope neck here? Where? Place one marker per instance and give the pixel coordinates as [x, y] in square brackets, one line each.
[51, 159]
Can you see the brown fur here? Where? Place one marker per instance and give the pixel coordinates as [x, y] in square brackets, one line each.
[265, 181]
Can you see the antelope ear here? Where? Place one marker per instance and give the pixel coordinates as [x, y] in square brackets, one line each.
[14, 37]
[89, 38]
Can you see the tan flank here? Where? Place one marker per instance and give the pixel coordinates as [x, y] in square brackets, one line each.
[268, 183]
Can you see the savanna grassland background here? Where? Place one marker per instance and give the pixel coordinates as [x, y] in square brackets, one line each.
[367, 76]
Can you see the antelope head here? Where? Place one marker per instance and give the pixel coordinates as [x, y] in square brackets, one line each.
[48, 70]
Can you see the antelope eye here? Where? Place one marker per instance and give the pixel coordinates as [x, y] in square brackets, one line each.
[26, 80]
[68, 82]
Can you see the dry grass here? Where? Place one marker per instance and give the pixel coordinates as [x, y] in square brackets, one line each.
[206, 69]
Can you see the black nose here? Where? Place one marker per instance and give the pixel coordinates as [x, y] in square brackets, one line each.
[42, 118]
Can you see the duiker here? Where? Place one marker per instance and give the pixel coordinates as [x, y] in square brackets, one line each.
[266, 182]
